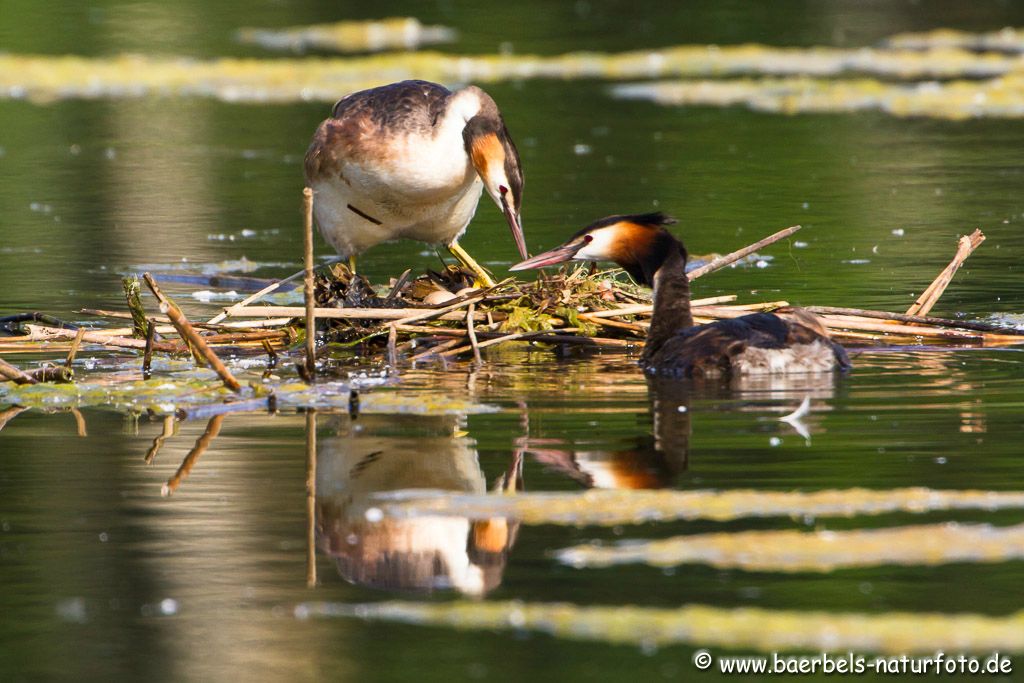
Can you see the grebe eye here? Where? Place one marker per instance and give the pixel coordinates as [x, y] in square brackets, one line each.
[587, 239]
[502, 189]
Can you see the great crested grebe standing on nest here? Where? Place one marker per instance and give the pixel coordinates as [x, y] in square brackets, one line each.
[756, 343]
[410, 160]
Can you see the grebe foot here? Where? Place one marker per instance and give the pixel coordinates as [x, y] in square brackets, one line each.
[483, 278]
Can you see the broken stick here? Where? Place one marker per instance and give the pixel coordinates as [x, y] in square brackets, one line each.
[189, 334]
[965, 246]
[723, 261]
[307, 215]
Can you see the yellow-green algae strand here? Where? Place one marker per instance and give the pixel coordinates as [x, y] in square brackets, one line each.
[818, 551]
[746, 628]
[612, 508]
[961, 99]
[1006, 39]
[42, 78]
[396, 33]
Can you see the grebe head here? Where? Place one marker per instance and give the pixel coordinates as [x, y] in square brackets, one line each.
[496, 161]
[638, 243]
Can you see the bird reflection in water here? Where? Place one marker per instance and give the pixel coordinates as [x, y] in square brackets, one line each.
[658, 458]
[357, 459]
[654, 461]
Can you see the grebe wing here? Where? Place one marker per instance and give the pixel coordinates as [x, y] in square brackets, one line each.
[707, 350]
[800, 333]
[407, 105]
[362, 124]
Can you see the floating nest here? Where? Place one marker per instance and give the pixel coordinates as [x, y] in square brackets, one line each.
[440, 315]
[440, 308]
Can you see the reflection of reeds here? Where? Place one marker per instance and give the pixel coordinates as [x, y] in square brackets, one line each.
[744, 628]
[818, 551]
[8, 414]
[158, 441]
[80, 426]
[202, 443]
[311, 498]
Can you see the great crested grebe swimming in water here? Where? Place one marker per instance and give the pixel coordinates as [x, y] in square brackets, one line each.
[410, 160]
[756, 343]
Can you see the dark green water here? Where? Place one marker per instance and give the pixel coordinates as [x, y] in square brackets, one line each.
[104, 579]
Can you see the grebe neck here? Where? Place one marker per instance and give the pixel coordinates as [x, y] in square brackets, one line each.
[671, 302]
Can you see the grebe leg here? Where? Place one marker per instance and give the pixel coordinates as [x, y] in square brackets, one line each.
[483, 278]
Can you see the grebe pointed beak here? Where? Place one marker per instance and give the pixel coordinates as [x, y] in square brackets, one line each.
[549, 258]
[515, 224]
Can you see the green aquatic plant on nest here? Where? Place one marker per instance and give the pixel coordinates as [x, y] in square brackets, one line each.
[192, 389]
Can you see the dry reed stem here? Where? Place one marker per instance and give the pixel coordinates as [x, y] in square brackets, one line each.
[392, 342]
[104, 313]
[307, 232]
[430, 314]
[118, 337]
[437, 348]
[428, 329]
[472, 334]
[192, 337]
[252, 325]
[271, 354]
[397, 314]
[240, 336]
[871, 325]
[511, 337]
[9, 372]
[728, 259]
[921, 319]
[246, 301]
[919, 331]
[633, 327]
[73, 351]
[553, 335]
[965, 246]
[646, 309]
[53, 373]
[635, 309]
[41, 333]
[762, 306]
[147, 355]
